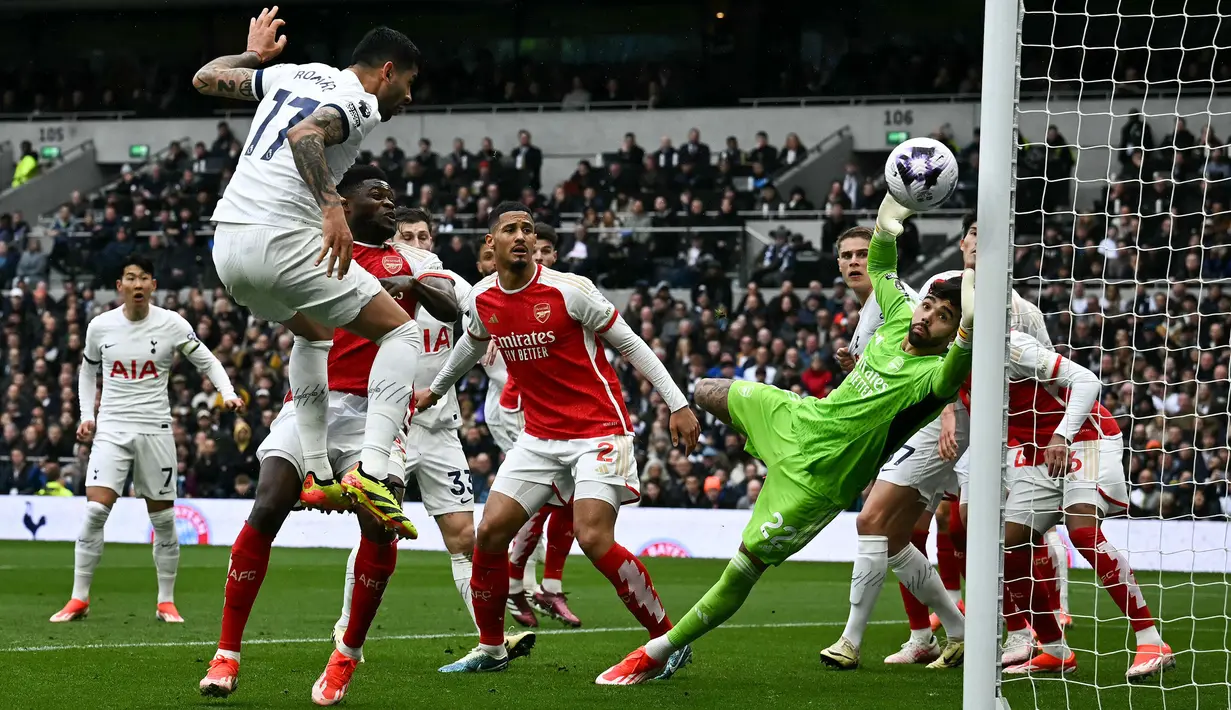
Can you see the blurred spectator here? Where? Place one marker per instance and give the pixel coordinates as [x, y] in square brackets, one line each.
[528, 160]
[793, 151]
[763, 153]
[27, 165]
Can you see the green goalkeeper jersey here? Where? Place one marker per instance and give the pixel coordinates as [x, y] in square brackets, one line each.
[891, 394]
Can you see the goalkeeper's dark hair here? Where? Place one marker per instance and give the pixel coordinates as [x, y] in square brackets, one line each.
[357, 175]
[547, 233]
[411, 215]
[948, 290]
[504, 208]
[863, 233]
[968, 219]
[382, 44]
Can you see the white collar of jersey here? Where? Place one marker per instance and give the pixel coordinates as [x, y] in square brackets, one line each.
[538, 271]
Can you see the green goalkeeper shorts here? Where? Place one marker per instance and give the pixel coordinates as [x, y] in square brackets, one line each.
[787, 514]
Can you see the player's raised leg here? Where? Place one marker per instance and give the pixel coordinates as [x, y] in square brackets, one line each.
[550, 598]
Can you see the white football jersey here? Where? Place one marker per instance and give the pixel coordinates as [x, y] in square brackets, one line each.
[135, 358]
[497, 378]
[437, 347]
[267, 187]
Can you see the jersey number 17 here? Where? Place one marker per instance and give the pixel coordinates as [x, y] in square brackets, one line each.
[305, 105]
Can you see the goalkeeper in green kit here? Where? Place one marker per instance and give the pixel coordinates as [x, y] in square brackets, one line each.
[821, 453]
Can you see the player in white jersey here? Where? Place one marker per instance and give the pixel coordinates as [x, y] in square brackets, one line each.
[281, 215]
[133, 347]
[434, 452]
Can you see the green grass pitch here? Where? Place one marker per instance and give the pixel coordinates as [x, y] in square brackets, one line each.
[120, 657]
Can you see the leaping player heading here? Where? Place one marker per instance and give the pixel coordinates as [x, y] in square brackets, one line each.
[281, 215]
[578, 438]
[133, 348]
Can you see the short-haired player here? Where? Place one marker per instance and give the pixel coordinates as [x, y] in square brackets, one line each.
[281, 215]
[133, 348]
[578, 438]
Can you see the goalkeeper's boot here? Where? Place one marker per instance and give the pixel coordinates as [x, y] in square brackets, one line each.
[1151, 660]
[1044, 662]
[331, 687]
[477, 661]
[843, 655]
[519, 644]
[555, 605]
[375, 497]
[952, 656]
[338, 630]
[167, 612]
[518, 605]
[329, 496]
[676, 662]
[916, 651]
[74, 610]
[1018, 648]
[637, 667]
[222, 678]
[935, 620]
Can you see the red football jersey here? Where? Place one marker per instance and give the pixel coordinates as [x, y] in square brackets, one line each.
[547, 333]
[350, 360]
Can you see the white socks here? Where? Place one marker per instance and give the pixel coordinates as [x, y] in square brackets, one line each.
[867, 577]
[1149, 637]
[660, 649]
[89, 549]
[1059, 554]
[920, 579]
[166, 552]
[461, 579]
[552, 586]
[348, 587]
[390, 392]
[308, 373]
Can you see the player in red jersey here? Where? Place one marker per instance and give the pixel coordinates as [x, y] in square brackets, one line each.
[368, 202]
[1066, 459]
[525, 596]
[578, 440]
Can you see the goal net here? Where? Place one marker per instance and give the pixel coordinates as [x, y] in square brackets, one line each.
[1121, 236]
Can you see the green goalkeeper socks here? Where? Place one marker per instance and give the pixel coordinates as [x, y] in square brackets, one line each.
[719, 603]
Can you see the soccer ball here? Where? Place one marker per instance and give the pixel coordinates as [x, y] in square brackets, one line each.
[921, 174]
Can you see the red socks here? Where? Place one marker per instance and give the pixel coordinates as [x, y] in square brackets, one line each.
[249, 561]
[957, 537]
[525, 541]
[489, 589]
[1031, 594]
[559, 542]
[374, 565]
[1014, 620]
[632, 583]
[947, 563]
[1113, 571]
[916, 611]
[1044, 568]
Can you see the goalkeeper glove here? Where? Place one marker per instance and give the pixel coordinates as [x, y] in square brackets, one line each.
[890, 216]
[966, 327]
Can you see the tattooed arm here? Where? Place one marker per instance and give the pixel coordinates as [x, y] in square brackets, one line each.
[229, 77]
[308, 138]
[232, 76]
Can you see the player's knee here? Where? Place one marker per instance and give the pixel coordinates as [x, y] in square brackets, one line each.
[1016, 535]
[593, 540]
[457, 529]
[492, 535]
[872, 520]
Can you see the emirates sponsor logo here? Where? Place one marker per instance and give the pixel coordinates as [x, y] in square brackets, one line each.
[520, 347]
[393, 264]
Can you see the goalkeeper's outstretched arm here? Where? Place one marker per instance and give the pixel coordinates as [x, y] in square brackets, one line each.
[883, 259]
[956, 367]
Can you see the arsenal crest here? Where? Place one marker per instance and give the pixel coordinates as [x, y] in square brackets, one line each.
[542, 311]
[393, 264]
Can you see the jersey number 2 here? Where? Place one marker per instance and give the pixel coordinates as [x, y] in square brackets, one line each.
[606, 451]
[305, 106]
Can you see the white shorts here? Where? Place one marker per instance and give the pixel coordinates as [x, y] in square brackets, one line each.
[270, 271]
[345, 421]
[1096, 477]
[436, 459]
[918, 464]
[537, 472]
[150, 457]
[962, 470]
[505, 426]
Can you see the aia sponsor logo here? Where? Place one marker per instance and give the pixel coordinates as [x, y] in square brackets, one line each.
[190, 526]
[130, 371]
[663, 548]
[393, 263]
[542, 311]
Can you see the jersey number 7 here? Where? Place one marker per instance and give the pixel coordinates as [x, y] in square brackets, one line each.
[306, 107]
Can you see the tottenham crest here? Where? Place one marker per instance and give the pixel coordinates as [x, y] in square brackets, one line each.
[393, 264]
[542, 311]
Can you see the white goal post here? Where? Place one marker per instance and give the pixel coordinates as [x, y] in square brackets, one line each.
[1105, 199]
